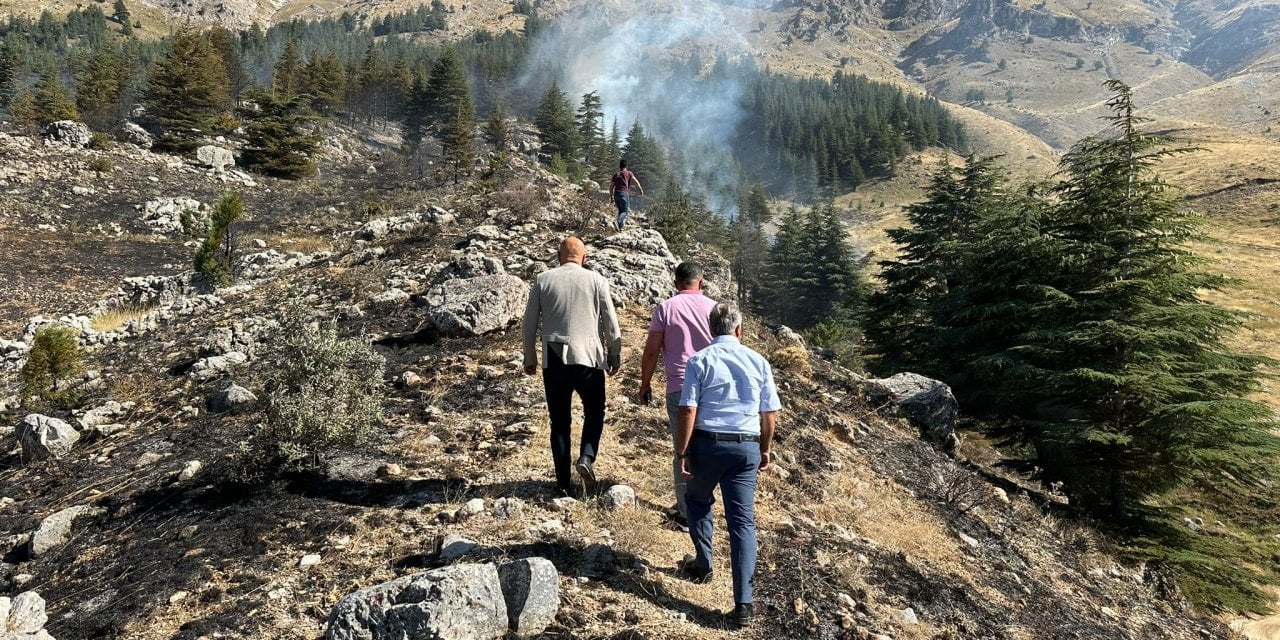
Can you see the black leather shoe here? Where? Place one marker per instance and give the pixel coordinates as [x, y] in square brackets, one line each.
[585, 470]
[742, 613]
[697, 575]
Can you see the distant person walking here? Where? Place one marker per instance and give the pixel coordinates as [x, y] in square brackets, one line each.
[727, 412]
[679, 329]
[573, 311]
[620, 191]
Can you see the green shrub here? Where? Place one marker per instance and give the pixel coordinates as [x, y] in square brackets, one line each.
[99, 141]
[324, 394]
[842, 338]
[102, 165]
[215, 256]
[55, 357]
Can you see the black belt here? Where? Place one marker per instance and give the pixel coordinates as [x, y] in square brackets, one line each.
[726, 437]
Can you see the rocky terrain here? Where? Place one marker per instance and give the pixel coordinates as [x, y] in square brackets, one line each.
[132, 516]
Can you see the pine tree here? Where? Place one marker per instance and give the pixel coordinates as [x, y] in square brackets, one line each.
[591, 140]
[451, 112]
[1147, 395]
[286, 77]
[901, 316]
[280, 138]
[188, 88]
[51, 100]
[496, 130]
[325, 80]
[416, 123]
[101, 84]
[645, 158]
[120, 13]
[556, 126]
[23, 111]
[8, 75]
[227, 44]
[784, 267]
[215, 258]
[674, 217]
[750, 254]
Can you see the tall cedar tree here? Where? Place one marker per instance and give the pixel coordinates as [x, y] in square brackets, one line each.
[496, 130]
[812, 274]
[416, 123]
[50, 100]
[902, 320]
[286, 77]
[451, 113]
[592, 143]
[556, 126]
[1148, 395]
[188, 88]
[646, 159]
[101, 85]
[8, 75]
[325, 80]
[280, 136]
[227, 44]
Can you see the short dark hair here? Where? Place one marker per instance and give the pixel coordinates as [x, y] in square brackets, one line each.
[622, 164]
[688, 273]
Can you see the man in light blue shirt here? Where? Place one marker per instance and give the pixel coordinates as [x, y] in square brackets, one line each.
[727, 411]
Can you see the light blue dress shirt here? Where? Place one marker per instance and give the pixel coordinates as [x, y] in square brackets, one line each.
[730, 385]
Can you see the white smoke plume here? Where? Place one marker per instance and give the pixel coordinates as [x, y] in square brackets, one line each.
[622, 51]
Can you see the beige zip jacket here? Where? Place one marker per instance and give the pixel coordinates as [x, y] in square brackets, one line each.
[571, 308]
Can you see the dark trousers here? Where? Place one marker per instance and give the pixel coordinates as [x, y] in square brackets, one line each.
[561, 381]
[733, 466]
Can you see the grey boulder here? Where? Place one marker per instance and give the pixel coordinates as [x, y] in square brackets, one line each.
[476, 306]
[928, 403]
[215, 157]
[459, 602]
[531, 587]
[23, 617]
[67, 133]
[43, 437]
[234, 399]
[55, 530]
[637, 264]
[133, 134]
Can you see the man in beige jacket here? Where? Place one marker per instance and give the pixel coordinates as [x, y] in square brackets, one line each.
[572, 309]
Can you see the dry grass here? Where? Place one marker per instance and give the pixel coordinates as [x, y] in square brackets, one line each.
[793, 359]
[119, 316]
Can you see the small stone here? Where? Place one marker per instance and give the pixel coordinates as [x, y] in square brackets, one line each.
[190, 470]
[26, 613]
[473, 507]
[189, 532]
[619, 496]
[149, 458]
[1109, 612]
[309, 560]
[455, 546]
[178, 596]
[1000, 494]
[390, 470]
[234, 399]
[504, 508]
[969, 540]
[908, 616]
[411, 380]
[563, 504]
[847, 601]
[432, 441]
[551, 528]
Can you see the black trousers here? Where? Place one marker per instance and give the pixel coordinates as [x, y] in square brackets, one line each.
[561, 381]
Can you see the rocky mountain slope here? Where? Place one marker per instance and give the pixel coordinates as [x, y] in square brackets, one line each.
[140, 524]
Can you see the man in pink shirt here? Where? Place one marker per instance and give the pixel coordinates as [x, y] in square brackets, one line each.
[678, 330]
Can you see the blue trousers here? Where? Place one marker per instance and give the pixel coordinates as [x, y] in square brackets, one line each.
[733, 466]
[623, 202]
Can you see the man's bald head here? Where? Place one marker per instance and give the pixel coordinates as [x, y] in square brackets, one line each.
[572, 250]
